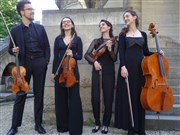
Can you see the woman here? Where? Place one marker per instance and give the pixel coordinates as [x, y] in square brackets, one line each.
[104, 64]
[68, 106]
[132, 48]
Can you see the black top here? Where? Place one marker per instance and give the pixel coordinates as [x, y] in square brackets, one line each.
[126, 42]
[32, 47]
[107, 59]
[18, 37]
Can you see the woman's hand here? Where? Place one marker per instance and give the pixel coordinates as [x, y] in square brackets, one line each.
[97, 65]
[109, 45]
[69, 52]
[161, 52]
[124, 72]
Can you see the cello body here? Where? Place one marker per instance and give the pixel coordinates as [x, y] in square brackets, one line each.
[156, 94]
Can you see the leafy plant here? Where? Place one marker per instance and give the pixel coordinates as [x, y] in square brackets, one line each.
[8, 9]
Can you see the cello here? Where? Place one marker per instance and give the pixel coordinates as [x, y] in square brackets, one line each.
[20, 86]
[156, 94]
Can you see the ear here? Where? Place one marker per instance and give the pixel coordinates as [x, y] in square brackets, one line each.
[22, 12]
[135, 17]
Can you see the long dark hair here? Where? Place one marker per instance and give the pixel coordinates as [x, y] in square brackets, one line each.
[133, 13]
[62, 35]
[110, 25]
[100, 40]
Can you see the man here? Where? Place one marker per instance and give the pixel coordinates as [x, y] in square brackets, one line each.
[33, 50]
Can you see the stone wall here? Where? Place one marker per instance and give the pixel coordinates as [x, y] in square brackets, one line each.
[86, 21]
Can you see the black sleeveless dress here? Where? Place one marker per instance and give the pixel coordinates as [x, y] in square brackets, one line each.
[132, 50]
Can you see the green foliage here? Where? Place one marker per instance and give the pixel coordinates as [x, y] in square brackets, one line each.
[8, 9]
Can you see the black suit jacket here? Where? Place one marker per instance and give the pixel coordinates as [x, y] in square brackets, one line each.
[18, 37]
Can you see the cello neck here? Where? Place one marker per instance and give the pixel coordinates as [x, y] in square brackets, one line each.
[161, 65]
[157, 42]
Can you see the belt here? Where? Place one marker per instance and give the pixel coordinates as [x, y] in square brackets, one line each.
[33, 57]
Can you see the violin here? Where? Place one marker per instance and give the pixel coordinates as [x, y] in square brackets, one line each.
[101, 49]
[156, 94]
[68, 77]
[20, 86]
[68, 64]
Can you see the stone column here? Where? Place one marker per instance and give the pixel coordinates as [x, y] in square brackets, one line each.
[137, 6]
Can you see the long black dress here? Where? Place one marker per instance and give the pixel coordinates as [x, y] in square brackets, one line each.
[131, 52]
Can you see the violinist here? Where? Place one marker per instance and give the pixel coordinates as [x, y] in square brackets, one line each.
[34, 54]
[105, 64]
[68, 107]
[132, 49]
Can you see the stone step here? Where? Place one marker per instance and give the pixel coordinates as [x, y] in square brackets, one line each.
[173, 75]
[173, 82]
[174, 69]
[164, 122]
[175, 110]
[9, 96]
[176, 98]
[175, 90]
[173, 64]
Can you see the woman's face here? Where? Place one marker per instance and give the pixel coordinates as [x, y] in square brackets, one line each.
[129, 18]
[104, 27]
[67, 24]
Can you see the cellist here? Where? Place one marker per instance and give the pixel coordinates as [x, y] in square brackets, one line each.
[132, 49]
[34, 54]
[68, 108]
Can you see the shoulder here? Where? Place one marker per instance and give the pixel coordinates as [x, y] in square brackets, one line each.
[58, 38]
[143, 33]
[16, 27]
[38, 26]
[122, 35]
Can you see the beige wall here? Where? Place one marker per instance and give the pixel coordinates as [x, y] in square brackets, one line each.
[165, 15]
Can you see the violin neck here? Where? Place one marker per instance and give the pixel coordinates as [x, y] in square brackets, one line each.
[67, 61]
[102, 45]
[17, 65]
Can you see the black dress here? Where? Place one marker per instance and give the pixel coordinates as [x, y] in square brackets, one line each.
[108, 80]
[131, 52]
[68, 106]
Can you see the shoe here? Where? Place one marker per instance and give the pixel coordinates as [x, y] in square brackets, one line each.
[40, 129]
[95, 129]
[104, 130]
[62, 130]
[130, 132]
[12, 131]
[142, 133]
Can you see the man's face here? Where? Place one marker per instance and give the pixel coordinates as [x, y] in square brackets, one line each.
[28, 12]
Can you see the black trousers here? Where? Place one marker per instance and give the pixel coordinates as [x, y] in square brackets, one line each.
[68, 108]
[108, 83]
[37, 69]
